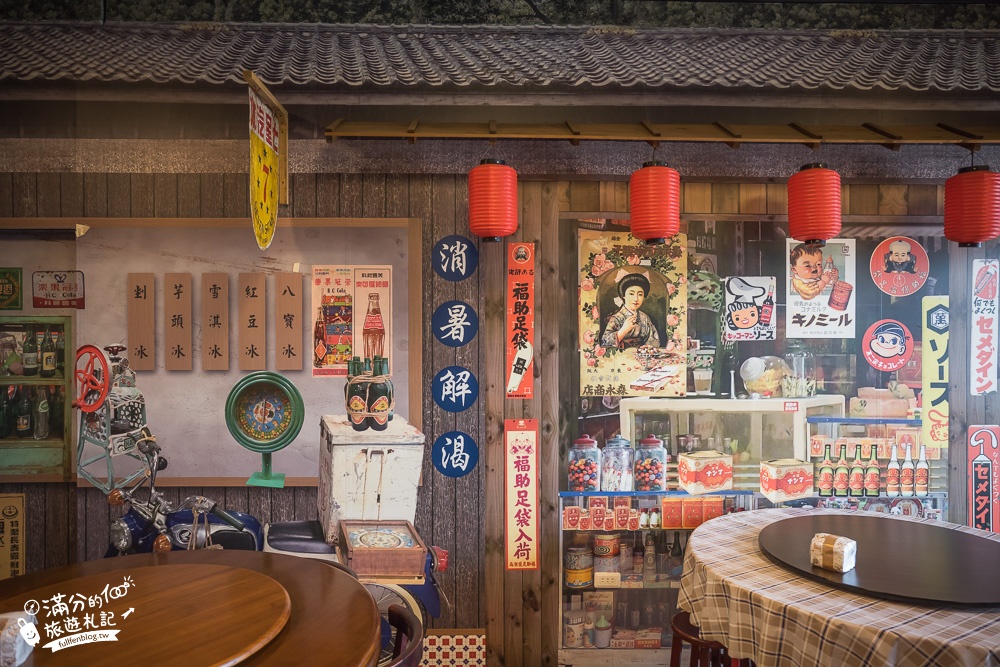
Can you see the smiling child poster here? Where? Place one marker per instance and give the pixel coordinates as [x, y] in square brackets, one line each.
[820, 282]
[749, 309]
[633, 315]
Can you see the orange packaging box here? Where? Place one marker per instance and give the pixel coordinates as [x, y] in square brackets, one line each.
[648, 637]
[621, 517]
[622, 501]
[704, 472]
[712, 507]
[585, 520]
[597, 515]
[782, 480]
[672, 512]
[818, 443]
[571, 517]
[597, 501]
[694, 512]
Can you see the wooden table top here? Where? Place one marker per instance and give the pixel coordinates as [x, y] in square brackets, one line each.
[206, 607]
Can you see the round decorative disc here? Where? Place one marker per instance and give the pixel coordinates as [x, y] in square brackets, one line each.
[264, 411]
[382, 538]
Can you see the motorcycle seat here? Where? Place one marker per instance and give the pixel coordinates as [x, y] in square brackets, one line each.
[298, 537]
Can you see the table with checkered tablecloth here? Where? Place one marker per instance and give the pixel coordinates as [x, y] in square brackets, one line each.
[776, 617]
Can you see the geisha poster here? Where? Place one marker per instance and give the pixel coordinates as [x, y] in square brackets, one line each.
[352, 316]
[633, 315]
[820, 282]
[749, 309]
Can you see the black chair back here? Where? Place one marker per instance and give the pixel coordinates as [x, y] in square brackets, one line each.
[409, 647]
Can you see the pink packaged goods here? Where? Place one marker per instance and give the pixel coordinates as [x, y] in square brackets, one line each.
[705, 472]
[782, 480]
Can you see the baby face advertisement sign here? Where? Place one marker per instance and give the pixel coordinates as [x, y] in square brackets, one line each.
[633, 307]
[820, 284]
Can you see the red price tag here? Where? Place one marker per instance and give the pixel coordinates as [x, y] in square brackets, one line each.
[791, 406]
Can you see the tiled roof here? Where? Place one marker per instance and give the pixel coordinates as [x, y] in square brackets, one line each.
[488, 58]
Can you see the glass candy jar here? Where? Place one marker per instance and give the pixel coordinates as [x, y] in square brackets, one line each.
[616, 465]
[650, 465]
[800, 376]
[584, 465]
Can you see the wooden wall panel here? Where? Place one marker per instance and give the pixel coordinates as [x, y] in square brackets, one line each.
[863, 200]
[142, 196]
[6, 195]
[725, 197]
[177, 321]
[777, 199]
[236, 195]
[303, 195]
[95, 201]
[25, 195]
[350, 195]
[212, 198]
[327, 195]
[753, 198]
[892, 199]
[71, 195]
[373, 195]
[48, 194]
[165, 195]
[583, 196]
[188, 195]
[119, 196]
[922, 200]
[696, 197]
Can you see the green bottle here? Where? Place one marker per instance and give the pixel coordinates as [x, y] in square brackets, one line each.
[22, 415]
[30, 356]
[48, 360]
[378, 399]
[5, 412]
[356, 399]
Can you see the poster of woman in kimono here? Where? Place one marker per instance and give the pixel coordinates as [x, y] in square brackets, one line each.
[633, 305]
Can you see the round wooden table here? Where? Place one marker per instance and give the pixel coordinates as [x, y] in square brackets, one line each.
[206, 607]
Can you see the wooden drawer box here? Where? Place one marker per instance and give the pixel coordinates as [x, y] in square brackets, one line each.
[382, 549]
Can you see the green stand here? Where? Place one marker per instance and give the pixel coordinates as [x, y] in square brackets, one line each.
[264, 477]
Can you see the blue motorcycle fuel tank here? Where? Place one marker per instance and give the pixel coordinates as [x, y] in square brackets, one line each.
[251, 538]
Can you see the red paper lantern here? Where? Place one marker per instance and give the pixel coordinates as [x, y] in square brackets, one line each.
[492, 200]
[814, 204]
[972, 206]
[654, 199]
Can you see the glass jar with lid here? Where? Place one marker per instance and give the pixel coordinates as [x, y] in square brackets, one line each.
[616, 465]
[650, 465]
[762, 376]
[800, 376]
[584, 465]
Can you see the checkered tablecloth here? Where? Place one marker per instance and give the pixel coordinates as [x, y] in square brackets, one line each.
[778, 618]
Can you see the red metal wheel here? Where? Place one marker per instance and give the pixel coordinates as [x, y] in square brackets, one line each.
[93, 378]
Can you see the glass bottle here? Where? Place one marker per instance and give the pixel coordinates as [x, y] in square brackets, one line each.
[22, 415]
[357, 404]
[650, 465]
[57, 406]
[676, 556]
[30, 350]
[616, 465]
[41, 414]
[378, 398]
[584, 469]
[6, 408]
[856, 481]
[921, 477]
[638, 558]
[841, 475]
[373, 331]
[892, 476]
[767, 308]
[906, 475]
[61, 351]
[873, 475]
[649, 558]
[824, 481]
[48, 358]
[319, 340]
[800, 379]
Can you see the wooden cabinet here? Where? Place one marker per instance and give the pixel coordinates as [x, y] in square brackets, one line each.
[47, 459]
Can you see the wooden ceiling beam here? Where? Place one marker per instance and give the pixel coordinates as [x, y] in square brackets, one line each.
[813, 136]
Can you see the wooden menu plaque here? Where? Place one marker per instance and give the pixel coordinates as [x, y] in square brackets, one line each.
[141, 294]
[177, 321]
[215, 321]
[288, 351]
[252, 327]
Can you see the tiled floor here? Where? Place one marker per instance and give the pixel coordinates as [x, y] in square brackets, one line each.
[458, 650]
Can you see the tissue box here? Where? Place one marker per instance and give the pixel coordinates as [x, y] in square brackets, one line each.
[833, 552]
[782, 480]
[704, 472]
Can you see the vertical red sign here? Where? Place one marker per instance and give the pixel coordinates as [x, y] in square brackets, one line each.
[984, 485]
[520, 320]
[521, 501]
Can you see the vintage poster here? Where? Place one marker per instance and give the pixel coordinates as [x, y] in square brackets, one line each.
[984, 477]
[633, 316]
[11, 535]
[57, 289]
[352, 316]
[983, 351]
[263, 171]
[521, 501]
[11, 288]
[749, 309]
[887, 345]
[820, 282]
[934, 368]
[899, 266]
[520, 309]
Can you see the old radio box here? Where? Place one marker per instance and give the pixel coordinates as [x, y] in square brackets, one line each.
[367, 475]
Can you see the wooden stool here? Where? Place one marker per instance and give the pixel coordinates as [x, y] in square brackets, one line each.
[703, 653]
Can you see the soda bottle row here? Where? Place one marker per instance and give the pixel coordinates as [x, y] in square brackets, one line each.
[863, 479]
[44, 358]
[31, 412]
[369, 393]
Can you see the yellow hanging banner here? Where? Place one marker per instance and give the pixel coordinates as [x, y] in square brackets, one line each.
[934, 369]
[263, 171]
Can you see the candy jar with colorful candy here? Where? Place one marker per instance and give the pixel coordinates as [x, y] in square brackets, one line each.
[584, 465]
[650, 465]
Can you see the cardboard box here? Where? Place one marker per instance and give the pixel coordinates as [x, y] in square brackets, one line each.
[623, 638]
[597, 501]
[571, 517]
[382, 549]
[367, 475]
[671, 512]
[603, 604]
[648, 637]
[693, 511]
[705, 472]
[713, 506]
[782, 480]
[631, 581]
[818, 443]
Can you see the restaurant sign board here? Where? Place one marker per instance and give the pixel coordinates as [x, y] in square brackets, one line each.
[521, 496]
[984, 485]
[985, 304]
[934, 370]
[520, 343]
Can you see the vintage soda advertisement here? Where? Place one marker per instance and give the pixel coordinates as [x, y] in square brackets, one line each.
[352, 316]
[633, 315]
[820, 282]
[983, 328]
